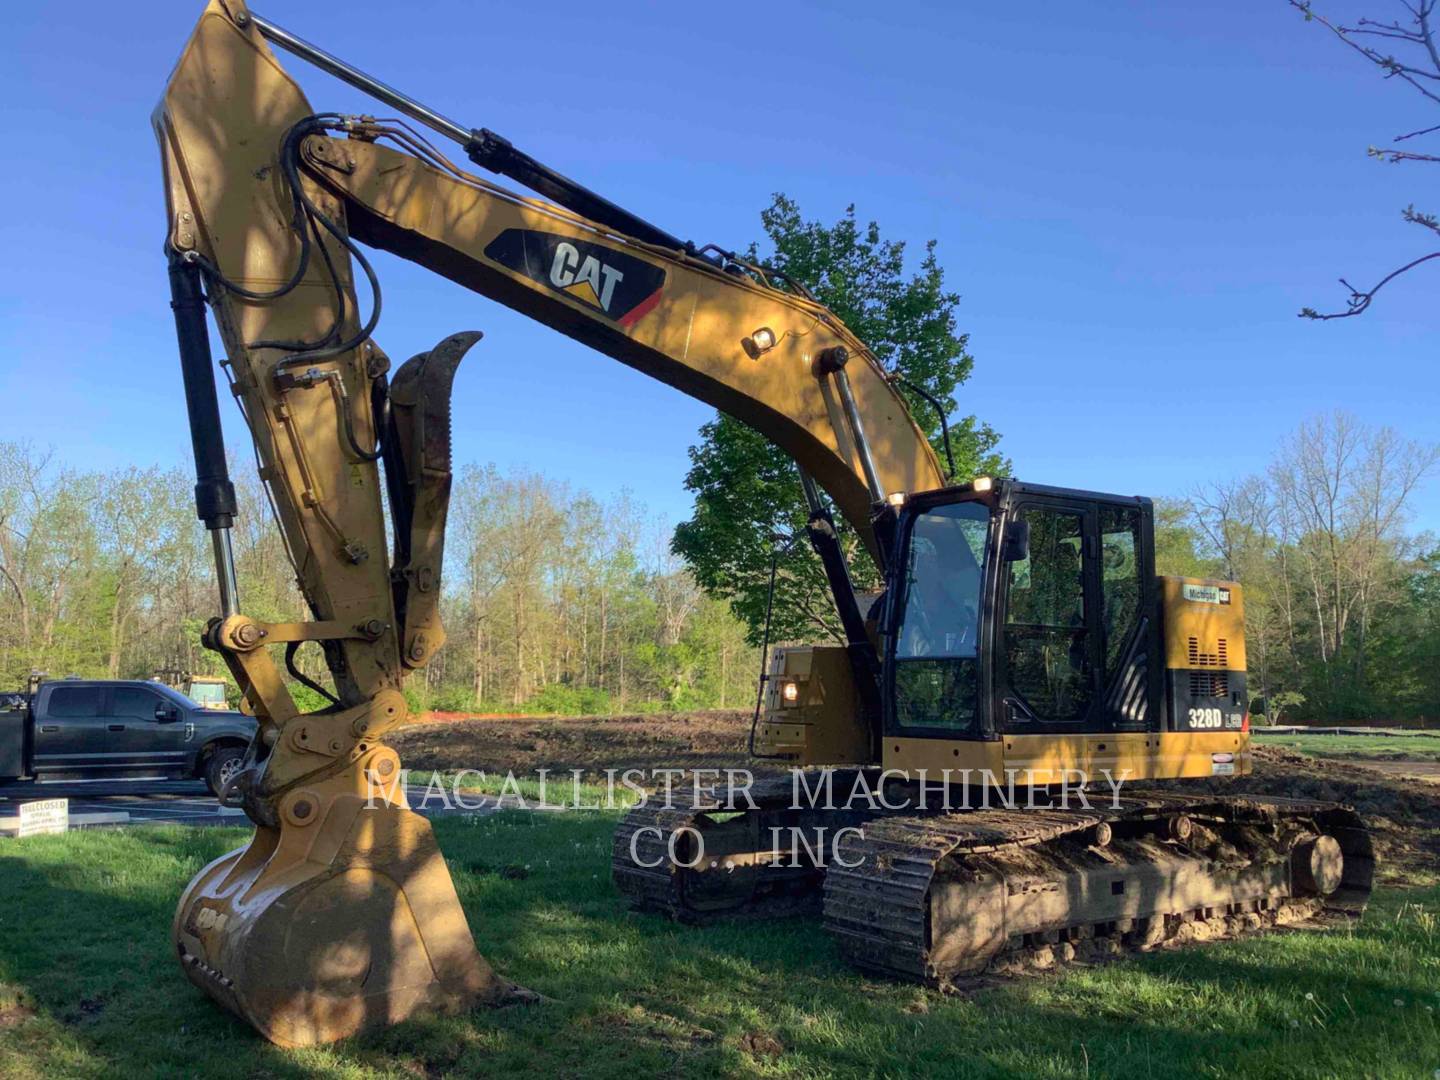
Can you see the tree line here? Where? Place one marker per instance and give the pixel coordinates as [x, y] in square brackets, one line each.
[560, 602]
[555, 601]
[1342, 601]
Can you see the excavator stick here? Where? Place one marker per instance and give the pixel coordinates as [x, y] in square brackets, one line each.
[340, 914]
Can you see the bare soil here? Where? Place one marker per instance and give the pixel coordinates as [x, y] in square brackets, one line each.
[1402, 808]
[682, 740]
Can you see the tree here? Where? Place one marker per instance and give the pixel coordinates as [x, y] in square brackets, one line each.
[1339, 611]
[1405, 662]
[1342, 496]
[749, 507]
[1417, 65]
[1178, 541]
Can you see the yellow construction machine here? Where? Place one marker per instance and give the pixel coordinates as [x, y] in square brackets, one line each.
[207, 691]
[1023, 634]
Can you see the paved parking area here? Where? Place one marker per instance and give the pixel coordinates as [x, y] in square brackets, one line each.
[169, 802]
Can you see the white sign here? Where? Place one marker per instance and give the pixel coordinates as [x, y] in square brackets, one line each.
[1201, 594]
[45, 816]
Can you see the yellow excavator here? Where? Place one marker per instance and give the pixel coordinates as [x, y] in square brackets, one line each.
[1023, 637]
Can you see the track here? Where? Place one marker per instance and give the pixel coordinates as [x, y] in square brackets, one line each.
[933, 897]
[760, 863]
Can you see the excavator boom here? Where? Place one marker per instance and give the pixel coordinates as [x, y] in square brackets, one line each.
[266, 201]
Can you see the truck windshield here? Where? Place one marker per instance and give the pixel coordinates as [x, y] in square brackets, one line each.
[937, 648]
[207, 693]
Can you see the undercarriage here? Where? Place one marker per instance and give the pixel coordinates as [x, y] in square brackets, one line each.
[933, 894]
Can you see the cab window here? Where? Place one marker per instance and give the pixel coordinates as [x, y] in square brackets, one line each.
[1046, 636]
[937, 645]
[207, 693]
[75, 701]
[134, 702]
[1119, 580]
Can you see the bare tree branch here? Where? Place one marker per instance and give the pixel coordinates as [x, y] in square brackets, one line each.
[1359, 301]
[1394, 157]
[1413, 134]
[1419, 34]
[1388, 64]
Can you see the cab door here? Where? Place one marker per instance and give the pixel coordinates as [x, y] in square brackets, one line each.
[1049, 658]
[70, 730]
[1077, 635]
[934, 677]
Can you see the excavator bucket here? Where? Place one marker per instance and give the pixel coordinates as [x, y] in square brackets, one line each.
[339, 917]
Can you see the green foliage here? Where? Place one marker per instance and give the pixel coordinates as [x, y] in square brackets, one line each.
[747, 492]
[549, 592]
[747, 506]
[451, 698]
[1178, 542]
[564, 700]
[1278, 703]
[1405, 662]
[307, 700]
[562, 603]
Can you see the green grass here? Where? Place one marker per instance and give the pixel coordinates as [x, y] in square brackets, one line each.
[1371, 747]
[84, 943]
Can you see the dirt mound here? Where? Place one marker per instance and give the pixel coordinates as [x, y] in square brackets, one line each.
[681, 740]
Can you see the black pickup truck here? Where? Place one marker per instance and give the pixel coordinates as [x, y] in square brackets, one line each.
[83, 729]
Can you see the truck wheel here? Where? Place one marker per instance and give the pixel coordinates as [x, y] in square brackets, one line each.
[224, 763]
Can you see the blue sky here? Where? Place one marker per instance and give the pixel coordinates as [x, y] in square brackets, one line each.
[1134, 200]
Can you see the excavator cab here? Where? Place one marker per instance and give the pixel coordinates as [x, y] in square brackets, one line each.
[1024, 627]
[1022, 609]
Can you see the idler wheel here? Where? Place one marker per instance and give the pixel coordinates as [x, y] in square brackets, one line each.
[1316, 866]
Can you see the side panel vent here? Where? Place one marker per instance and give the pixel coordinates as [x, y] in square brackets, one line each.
[1218, 658]
[1209, 684]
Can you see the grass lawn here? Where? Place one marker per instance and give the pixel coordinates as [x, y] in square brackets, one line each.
[88, 986]
[1374, 747]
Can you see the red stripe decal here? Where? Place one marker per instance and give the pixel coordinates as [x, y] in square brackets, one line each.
[640, 310]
